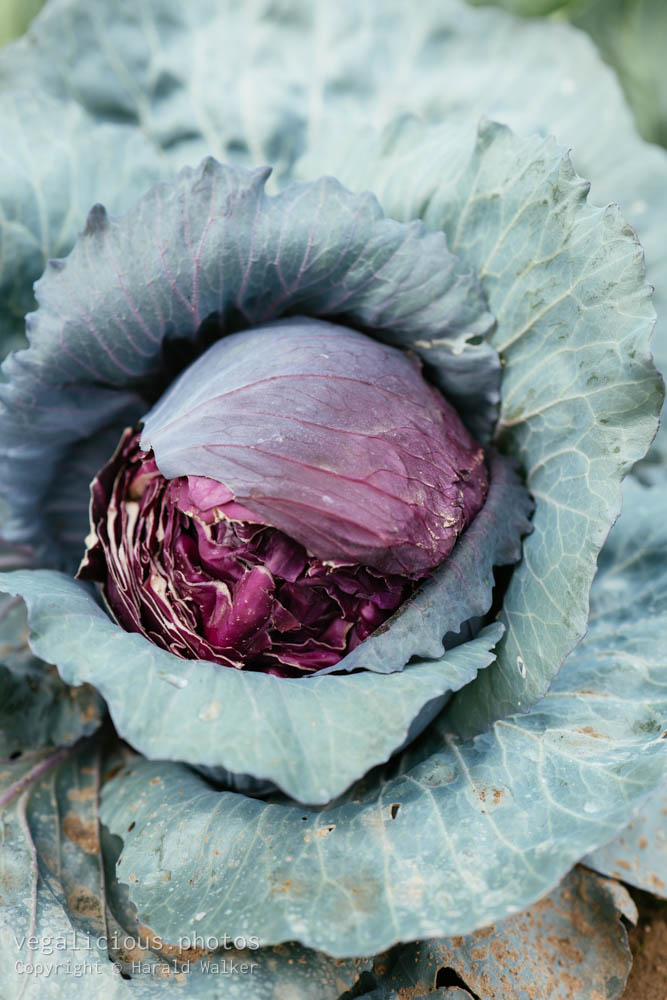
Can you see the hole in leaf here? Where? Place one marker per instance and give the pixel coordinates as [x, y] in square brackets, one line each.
[364, 984]
[393, 809]
[131, 826]
[450, 977]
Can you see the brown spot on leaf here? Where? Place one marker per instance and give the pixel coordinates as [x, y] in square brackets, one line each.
[171, 951]
[574, 984]
[320, 832]
[81, 794]
[83, 834]
[84, 903]
[564, 946]
[127, 954]
[493, 795]
[89, 711]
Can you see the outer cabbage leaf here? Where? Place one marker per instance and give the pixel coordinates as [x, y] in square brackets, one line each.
[459, 836]
[631, 36]
[638, 855]
[297, 73]
[64, 917]
[570, 944]
[311, 736]
[54, 163]
[164, 68]
[573, 325]
[37, 708]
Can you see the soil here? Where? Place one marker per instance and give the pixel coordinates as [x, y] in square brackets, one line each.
[648, 941]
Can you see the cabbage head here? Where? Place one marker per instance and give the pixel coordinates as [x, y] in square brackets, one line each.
[316, 642]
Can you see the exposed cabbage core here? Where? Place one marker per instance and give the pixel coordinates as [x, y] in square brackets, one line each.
[187, 563]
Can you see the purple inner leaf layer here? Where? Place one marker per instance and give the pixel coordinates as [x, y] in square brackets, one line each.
[330, 436]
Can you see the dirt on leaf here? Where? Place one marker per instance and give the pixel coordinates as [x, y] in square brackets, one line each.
[648, 941]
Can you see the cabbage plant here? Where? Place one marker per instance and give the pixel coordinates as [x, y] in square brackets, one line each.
[321, 663]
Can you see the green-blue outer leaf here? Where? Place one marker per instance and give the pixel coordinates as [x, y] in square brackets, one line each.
[462, 836]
